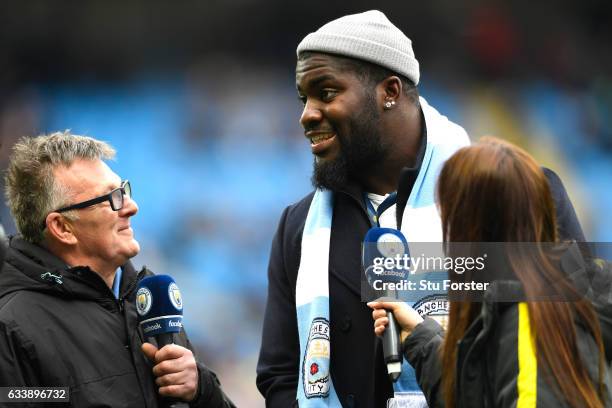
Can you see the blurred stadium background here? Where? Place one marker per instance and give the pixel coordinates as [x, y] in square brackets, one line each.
[199, 99]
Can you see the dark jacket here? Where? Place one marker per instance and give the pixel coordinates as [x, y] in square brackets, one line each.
[64, 327]
[357, 368]
[488, 359]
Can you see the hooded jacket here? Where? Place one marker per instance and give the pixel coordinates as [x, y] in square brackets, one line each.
[63, 327]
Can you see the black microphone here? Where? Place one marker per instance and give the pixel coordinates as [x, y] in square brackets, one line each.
[380, 245]
[160, 308]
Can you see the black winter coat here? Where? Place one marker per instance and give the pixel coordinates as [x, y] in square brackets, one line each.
[357, 370]
[64, 328]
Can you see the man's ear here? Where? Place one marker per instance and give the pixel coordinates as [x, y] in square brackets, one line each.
[60, 229]
[390, 89]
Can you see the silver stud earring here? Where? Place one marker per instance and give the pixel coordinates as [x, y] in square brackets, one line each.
[389, 104]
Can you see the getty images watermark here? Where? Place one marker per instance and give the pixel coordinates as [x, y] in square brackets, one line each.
[466, 271]
[390, 272]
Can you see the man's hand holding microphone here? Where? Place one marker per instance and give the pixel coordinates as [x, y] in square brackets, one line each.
[160, 312]
[175, 370]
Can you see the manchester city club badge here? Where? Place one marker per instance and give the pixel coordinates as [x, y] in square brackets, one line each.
[143, 301]
[175, 296]
[315, 375]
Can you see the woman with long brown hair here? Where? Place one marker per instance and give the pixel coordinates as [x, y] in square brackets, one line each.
[494, 354]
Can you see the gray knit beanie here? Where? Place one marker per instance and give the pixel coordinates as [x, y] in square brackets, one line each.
[369, 36]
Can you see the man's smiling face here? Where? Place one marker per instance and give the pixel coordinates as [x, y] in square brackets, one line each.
[105, 239]
[340, 118]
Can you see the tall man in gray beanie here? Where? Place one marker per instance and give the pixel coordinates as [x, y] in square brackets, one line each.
[377, 149]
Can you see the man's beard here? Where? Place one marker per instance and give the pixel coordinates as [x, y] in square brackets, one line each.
[359, 152]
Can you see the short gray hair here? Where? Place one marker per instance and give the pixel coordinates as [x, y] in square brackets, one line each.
[31, 190]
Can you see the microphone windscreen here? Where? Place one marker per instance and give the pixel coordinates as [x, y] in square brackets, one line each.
[159, 305]
[379, 245]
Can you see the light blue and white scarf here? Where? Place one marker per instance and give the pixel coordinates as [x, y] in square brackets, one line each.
[420, 223]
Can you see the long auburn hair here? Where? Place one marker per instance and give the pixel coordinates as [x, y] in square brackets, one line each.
[494, 191]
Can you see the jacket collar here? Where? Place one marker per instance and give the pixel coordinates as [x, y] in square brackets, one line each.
[36, 253]
[37, 269]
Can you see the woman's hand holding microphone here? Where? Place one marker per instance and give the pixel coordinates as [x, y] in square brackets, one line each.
[406, 317]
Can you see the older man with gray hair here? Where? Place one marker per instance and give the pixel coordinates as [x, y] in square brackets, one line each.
[67, 289]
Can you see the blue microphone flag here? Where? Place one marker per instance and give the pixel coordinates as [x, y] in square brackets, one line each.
[159, 305]
[383, 253]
